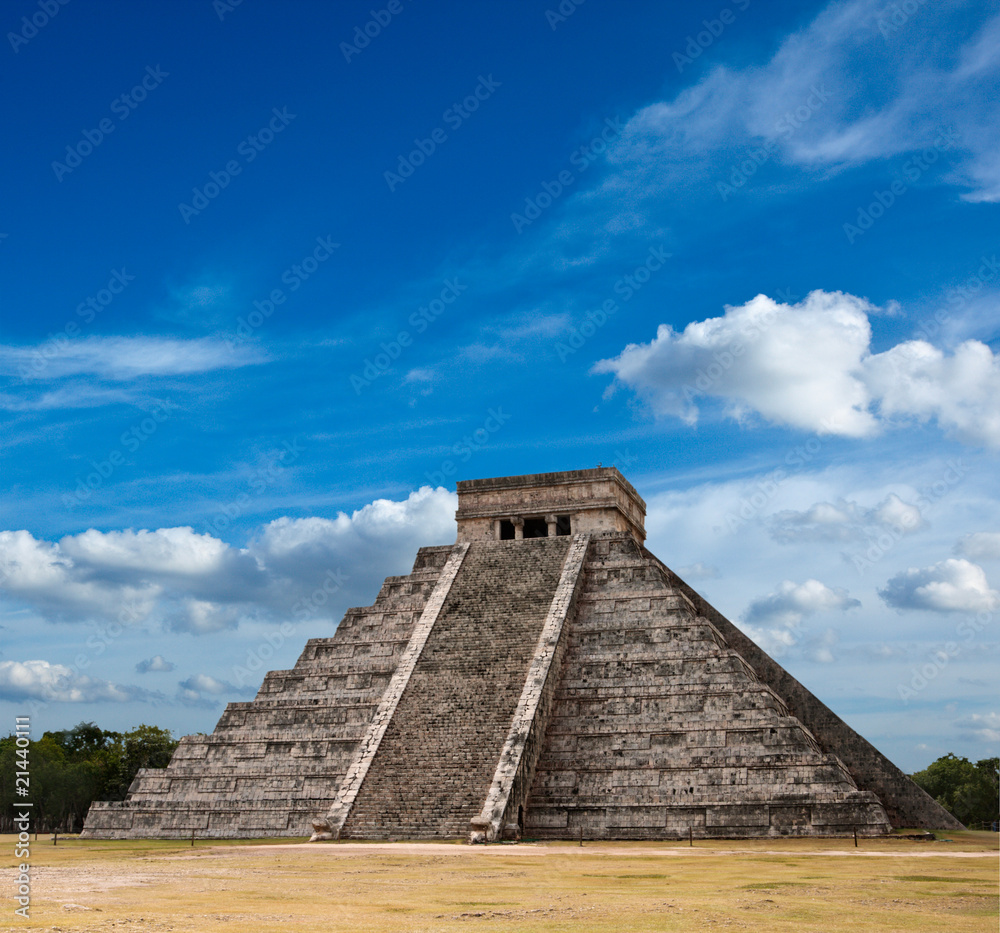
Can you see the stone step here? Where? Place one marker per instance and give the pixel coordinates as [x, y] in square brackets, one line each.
[438, 756]
[653, 707]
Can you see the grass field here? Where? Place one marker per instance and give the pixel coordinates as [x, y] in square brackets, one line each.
[773, 885]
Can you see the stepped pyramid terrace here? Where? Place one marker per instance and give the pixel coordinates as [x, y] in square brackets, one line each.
[546, 677]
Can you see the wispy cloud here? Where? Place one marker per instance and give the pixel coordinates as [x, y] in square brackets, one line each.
[880, 93]
[120, 359]
[845, 520]
[982, 545]
[157, 663]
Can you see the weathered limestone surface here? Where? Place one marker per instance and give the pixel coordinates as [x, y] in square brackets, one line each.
[438, 757]
[366, 750]
[558, 685]
[274, 764]
[599, 500]
[906, 804]
[508, 794]
[659, 727]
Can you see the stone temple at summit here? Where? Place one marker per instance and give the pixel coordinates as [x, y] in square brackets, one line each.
[544, 677]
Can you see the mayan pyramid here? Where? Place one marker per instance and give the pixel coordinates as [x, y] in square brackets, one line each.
[547, 677]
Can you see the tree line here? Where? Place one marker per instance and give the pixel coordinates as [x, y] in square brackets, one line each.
[68, 770]
[969, 792]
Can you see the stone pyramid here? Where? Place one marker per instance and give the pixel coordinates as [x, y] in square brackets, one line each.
[545, 676]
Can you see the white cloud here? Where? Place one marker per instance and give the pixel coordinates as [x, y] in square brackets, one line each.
[125, 358]
[792, 602]
[952, 585]
[845, 520]
[190, 582]
[820, 649]
[961, 391]
[425, 516]
[982, 545]
[794, 364]
[74, 394]
[809, 365]
[534, 324]
[179, 551]
[773, 620]
[201, 616]
[203, 683]
[41, 574]
[40, 680]
[697, 571]
[202, 689]
[155, 663]
[893, 512]
[985, 727]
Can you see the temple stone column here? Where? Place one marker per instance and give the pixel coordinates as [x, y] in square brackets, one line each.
[550, 520]
[518, 528]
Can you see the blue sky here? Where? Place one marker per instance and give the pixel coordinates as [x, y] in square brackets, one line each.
[276, 275]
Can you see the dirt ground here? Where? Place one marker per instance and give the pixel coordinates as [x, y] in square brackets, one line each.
[774, 885]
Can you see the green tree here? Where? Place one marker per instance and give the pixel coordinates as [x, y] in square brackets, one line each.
[74, 767]
[968, 791]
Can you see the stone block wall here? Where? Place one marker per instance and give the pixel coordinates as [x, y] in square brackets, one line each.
[272, 764]
[576, 677]
[659, 727]
[906, 804]
[598, 500]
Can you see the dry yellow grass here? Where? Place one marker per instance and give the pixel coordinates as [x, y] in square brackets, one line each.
[788, 885]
